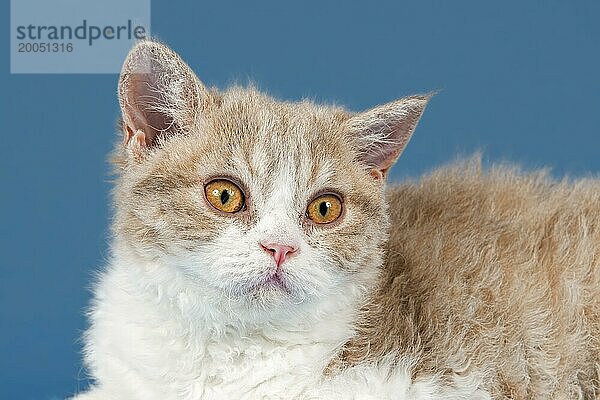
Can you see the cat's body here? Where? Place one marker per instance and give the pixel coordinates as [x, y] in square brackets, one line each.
[494, 273]
[251, 259]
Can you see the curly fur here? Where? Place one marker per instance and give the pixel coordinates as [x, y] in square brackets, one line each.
[494, 273]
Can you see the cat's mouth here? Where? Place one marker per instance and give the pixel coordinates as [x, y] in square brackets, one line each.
[276, 281]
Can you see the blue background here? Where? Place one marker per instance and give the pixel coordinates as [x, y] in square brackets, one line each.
[519, 80]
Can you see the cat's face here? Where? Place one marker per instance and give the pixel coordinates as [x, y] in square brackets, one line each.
[263, 204]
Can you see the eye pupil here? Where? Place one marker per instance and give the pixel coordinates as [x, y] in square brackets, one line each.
[324, 207]
[224, 197]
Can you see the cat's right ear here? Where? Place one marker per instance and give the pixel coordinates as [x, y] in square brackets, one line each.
[382, 133]
[159, 96]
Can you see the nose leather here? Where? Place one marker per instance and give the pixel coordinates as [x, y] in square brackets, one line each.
[279, 252]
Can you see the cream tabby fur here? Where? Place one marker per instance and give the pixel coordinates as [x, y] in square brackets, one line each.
[466, 285]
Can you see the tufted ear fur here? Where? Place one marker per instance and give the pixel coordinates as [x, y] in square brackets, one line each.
[383, 132]
[159, 96]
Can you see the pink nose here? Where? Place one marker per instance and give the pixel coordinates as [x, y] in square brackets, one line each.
[278, 251]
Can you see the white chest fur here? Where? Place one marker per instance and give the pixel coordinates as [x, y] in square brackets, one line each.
[158, 339]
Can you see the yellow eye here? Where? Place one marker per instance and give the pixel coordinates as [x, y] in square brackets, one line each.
[325, 209]
[224, 195]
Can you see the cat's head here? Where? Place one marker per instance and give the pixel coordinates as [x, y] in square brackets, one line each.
[266, 205]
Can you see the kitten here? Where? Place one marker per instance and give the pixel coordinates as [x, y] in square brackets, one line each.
[257, 254]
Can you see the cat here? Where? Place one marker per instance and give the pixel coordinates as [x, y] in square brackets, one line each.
[258, 253]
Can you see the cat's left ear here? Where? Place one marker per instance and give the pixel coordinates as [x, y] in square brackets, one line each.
[159, 95]
[383, 132]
